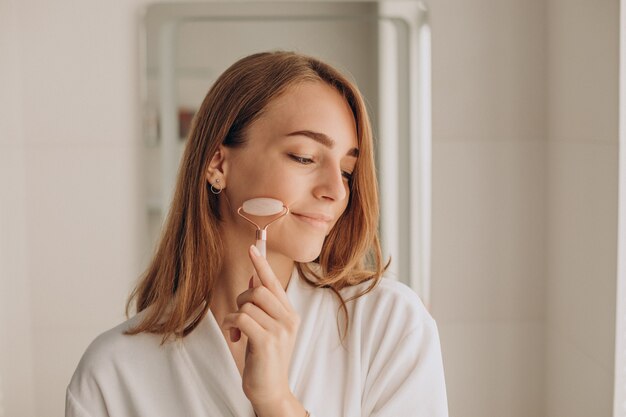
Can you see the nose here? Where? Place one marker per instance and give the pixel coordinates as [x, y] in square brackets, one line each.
[331, 185]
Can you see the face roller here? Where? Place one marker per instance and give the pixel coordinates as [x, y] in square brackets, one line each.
[262, 207]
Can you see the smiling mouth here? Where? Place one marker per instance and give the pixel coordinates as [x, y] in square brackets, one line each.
[320, 222]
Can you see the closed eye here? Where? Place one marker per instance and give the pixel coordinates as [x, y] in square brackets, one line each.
[307, 161]
[301, 159]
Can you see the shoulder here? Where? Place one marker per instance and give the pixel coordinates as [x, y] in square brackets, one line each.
[112, 350]
[390, 302]
[115, 365]
[389, 317]
[396, 342]
[113, 342]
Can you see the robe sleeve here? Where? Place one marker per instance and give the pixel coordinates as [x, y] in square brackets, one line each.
[73, 407]
[406, 376]
[83, 397]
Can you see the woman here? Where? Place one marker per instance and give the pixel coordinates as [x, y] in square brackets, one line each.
[321, 334]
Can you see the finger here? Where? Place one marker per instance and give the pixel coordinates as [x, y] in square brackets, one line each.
[264, 299]
[246, 324]
[268, 278]
[260, 316]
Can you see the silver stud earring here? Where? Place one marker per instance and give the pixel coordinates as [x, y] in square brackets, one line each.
[214, 190]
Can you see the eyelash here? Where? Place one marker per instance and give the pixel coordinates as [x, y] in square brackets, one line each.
[307, 161]
[301, 159]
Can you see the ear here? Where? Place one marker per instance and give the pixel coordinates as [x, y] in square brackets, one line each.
[218, 166]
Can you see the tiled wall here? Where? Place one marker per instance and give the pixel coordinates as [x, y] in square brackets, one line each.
[525, 204]
[489, 185]
[581, 271]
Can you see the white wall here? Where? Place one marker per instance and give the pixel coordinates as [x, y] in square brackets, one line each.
[16, 371]
[582, 97]
[489, 170]
[524, 204]
[68, 186]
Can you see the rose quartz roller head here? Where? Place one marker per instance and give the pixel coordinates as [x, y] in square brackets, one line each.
[262, 207]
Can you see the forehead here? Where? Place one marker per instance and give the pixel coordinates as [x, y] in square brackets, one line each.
[313, 106]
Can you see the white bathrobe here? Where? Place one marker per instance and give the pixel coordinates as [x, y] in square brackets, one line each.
[388, 366]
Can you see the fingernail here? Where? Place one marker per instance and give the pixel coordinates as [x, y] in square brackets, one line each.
[255, 250]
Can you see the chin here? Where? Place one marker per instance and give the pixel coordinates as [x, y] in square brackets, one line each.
[307, 259]
[304, 253]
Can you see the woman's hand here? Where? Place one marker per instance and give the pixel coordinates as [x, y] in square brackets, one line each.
[271, 324]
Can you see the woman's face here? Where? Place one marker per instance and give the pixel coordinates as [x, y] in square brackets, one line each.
[301, 151]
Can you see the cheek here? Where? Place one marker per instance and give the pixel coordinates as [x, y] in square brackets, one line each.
[261, 178]
[296, 242]
[341, 211]
[275, 183]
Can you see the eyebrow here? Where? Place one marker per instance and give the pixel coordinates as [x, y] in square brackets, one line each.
[323, 139]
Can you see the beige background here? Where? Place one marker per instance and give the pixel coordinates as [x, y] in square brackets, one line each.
[525, 174]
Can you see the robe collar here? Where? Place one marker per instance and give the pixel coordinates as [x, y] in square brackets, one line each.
[209, 357]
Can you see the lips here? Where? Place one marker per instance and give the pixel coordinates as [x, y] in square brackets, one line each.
[319, 220]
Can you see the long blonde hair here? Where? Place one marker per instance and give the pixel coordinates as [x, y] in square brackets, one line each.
[178, 283]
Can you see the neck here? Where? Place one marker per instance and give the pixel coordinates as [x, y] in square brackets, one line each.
[237, 270]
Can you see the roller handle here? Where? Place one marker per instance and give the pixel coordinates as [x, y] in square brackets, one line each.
[261, 246]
